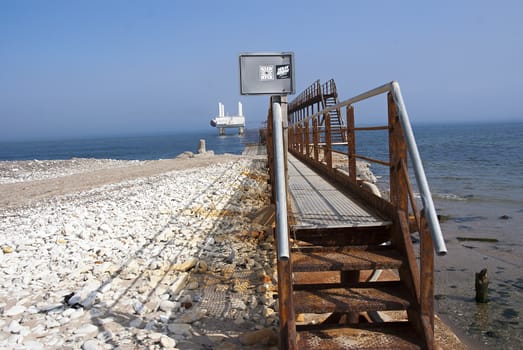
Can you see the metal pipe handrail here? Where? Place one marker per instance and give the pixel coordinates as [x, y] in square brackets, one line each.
[282, 228]
[419, 172]
[371, 93]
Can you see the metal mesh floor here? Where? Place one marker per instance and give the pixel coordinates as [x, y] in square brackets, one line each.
[318, 204]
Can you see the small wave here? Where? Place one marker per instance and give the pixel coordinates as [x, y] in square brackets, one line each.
[464, 219]
[451, 197]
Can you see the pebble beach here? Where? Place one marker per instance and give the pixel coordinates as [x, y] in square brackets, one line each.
[170, 254]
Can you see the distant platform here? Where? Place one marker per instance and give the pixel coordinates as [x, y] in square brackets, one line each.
[222, 122]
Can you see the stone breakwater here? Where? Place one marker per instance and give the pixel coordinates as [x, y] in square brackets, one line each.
[176, 260]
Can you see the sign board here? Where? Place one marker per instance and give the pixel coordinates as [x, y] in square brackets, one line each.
[267, 73]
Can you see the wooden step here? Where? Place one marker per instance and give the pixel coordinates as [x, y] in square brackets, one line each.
[368, 296]
[346, 259]
[342, 236]
[376, 336]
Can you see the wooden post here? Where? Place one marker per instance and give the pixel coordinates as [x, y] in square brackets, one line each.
[351, 144]
[397, 154]
[482, 286]
[328, 141]
[286, 307]
[427, 281]
[296, 139]
[304, 133]
[307, 140]
[315, 137]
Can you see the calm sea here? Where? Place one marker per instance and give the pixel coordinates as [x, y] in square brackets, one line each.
[129, 147]
[475, 172]
[476, 176]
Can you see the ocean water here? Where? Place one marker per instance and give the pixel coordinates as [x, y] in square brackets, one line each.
[475, 172]
[476, 176]
[129, 147]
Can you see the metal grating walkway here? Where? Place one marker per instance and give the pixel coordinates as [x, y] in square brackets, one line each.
[315, 203]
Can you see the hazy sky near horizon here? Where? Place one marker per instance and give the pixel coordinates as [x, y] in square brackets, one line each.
[100, 67]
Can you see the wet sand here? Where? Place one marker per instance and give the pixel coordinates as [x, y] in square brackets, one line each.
[498, 323]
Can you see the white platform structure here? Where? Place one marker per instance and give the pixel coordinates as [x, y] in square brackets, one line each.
[223, 122]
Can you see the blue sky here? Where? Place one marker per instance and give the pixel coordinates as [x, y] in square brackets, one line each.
[88, 68]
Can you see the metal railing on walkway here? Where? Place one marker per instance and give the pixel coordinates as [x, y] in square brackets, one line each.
[309, 140]
[308, 133]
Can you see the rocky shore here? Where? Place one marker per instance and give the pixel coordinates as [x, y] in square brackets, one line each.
[167, 254]
[152, 259]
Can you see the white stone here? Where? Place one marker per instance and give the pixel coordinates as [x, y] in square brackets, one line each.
[89, 301]
[136, 323]
[64, 320]
[111, 242]
[52, 307]
[14, 327]
[105, 336]
[168, 306]
[105, 320]
[76, 314]
[192, 285]
[91, 344]
[138, 307]
[51, 323]
[180, 329]
[191, 316]
[68, 312]
[15, 339]
[32, 309]
[167, 342]
[155, 336]
[177, 286]
[104, 288]
[68, 229]
[54, 343]
[15, 310]
[75, 299]
[268, 312]
[105, 228]
[86, 329]
[38, 330]
[33, 345]
[239, 304]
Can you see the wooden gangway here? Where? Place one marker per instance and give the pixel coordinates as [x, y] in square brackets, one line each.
[318, 204]
[338, 237]
[338, 245]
